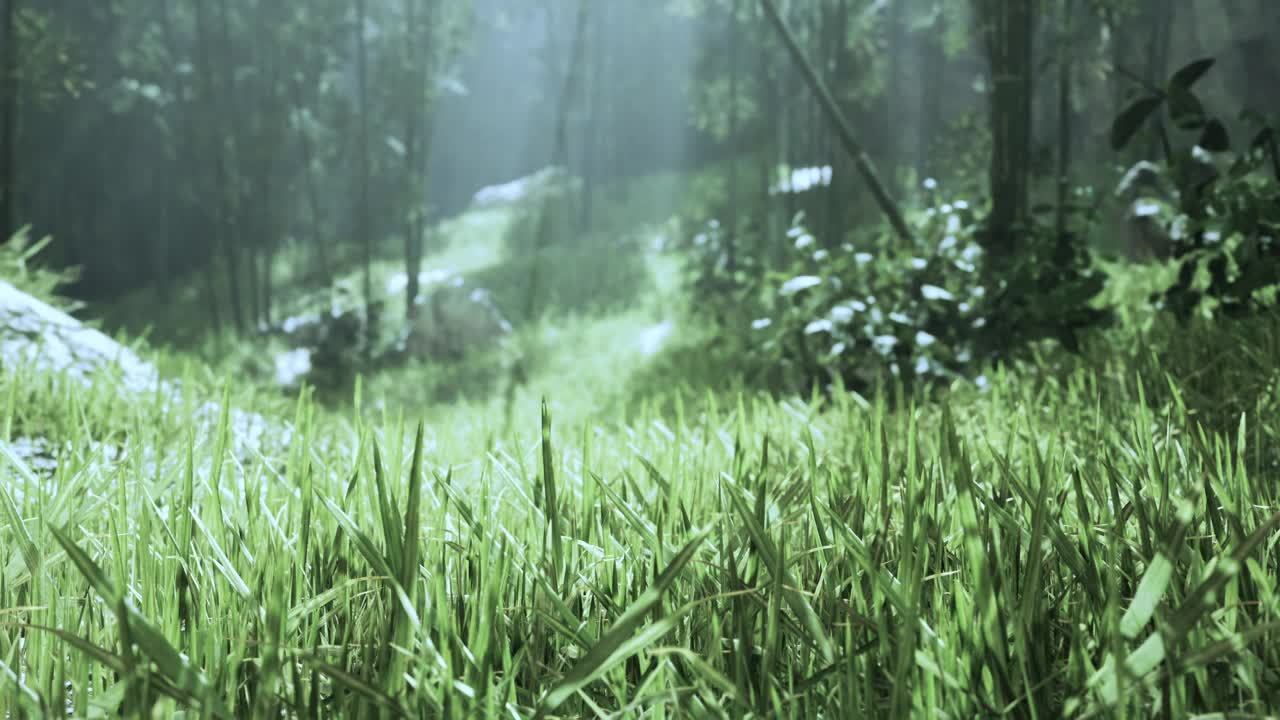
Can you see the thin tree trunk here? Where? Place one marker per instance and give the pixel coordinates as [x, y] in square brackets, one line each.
[598, 80]
[8, 121]
[189, 148]
[1160, 19]
[240, 219]
[1064, 116]
[222, 186]
[845, 132]
[731, 220]
[933, 64]
[1008, 27]
[272, 135]
[313, 190]
[362, 212]
[418, 75]
[560, 148]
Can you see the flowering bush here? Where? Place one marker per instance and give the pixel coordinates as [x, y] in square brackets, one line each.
[860, 312]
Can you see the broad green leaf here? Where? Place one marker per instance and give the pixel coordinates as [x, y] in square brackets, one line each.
[1150, 590]
[1129, 121]
[1190, 73]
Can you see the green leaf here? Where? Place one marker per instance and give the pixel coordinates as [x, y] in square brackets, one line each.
[1190, 73]
[772, 558]
[1262, 139]
[342, 678]
[1214, 138]
[1129, 121]
[1154, 582]
[618, 643]
[30, 553]
[552, 508]
[1185, 108]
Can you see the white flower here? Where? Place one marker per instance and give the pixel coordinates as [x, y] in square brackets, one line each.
[933, 292]
[817, 326]
[798, 283]
[924, 339]
[842, 314]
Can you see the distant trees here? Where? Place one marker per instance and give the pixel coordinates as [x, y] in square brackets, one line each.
[159, 140]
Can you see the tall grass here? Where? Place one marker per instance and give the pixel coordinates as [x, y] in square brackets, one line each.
[1062, 546]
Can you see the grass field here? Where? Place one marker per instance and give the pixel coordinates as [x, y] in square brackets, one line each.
[1087, 537]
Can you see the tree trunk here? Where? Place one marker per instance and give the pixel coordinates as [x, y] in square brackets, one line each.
[731, 215]
[239, 218]
[593, 134]
[1065, 28]
[1159, 17]
[362, 180]
[8, 120]
[415, 38]
[325, 268]
[222, 188]
[933, 65]
[189, 148]
[1008, 26]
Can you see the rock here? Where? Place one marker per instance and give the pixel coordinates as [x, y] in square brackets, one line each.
[35, 332]
[454, 320]
[398, 282]
[532, 186]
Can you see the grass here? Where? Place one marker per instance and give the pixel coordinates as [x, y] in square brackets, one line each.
[1096, 536]
[1064, 547]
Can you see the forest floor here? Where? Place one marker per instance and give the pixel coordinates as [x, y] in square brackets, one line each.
[1090, 536]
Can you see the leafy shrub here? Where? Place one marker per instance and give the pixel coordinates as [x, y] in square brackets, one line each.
[861, 312]
[1224, 231]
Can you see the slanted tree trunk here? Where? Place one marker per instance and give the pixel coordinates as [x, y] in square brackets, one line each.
[844, 130]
